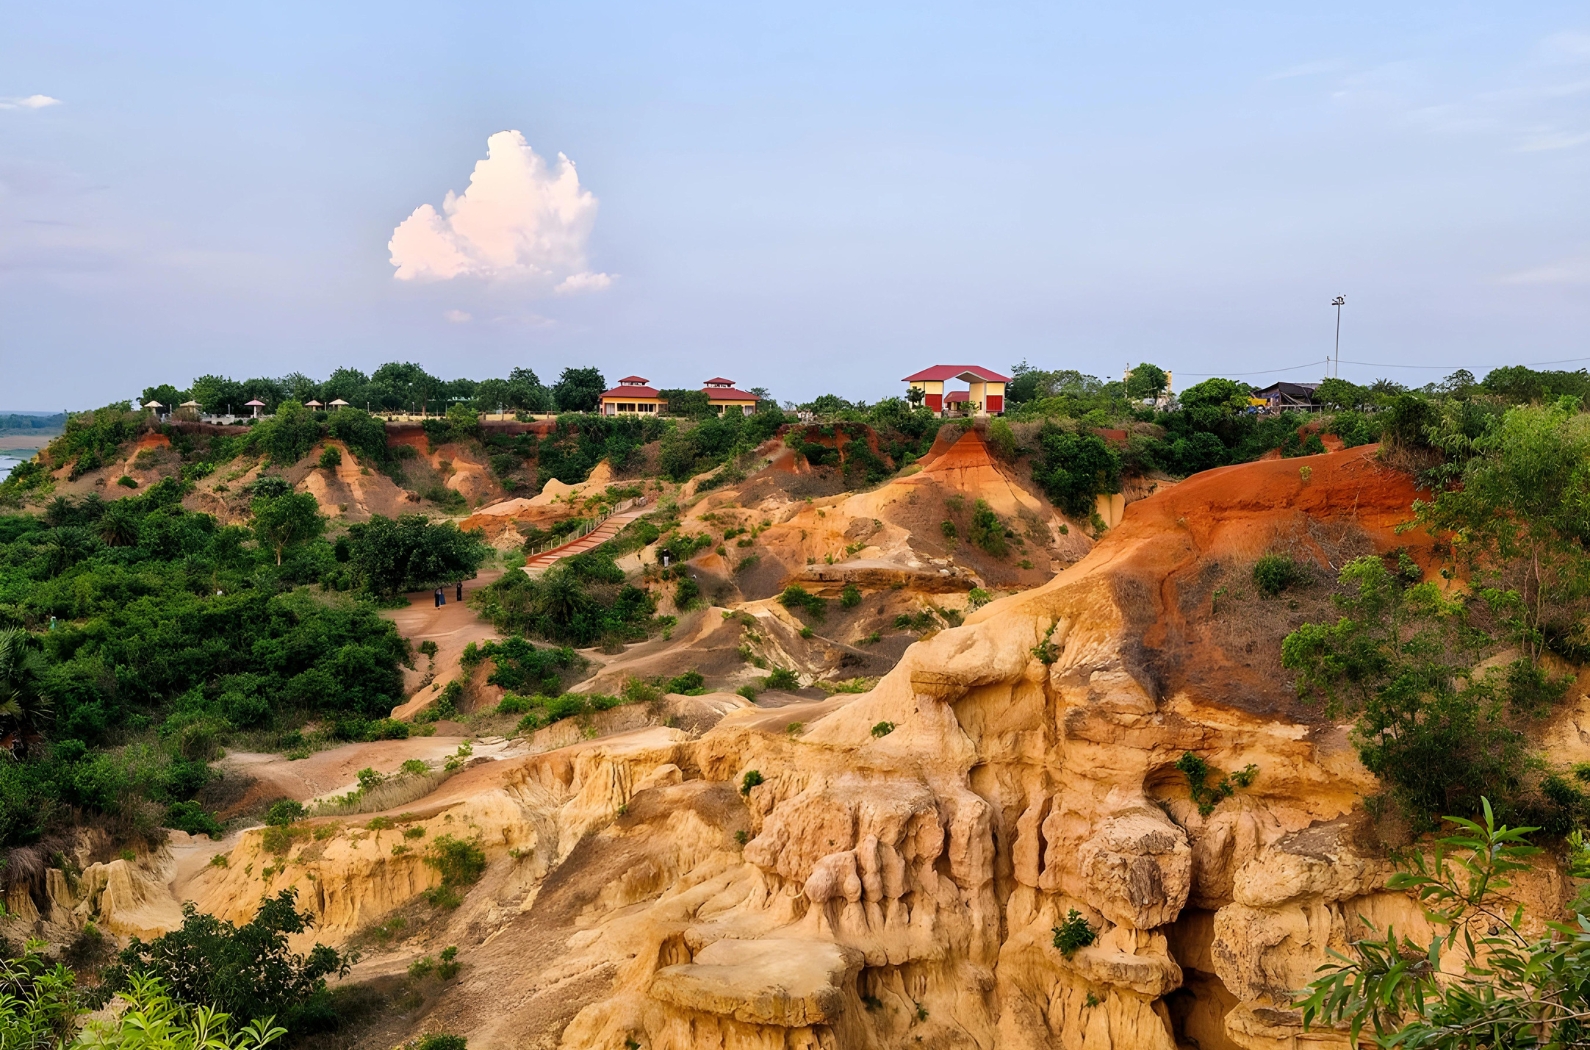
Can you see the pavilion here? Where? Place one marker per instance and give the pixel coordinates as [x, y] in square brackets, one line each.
[723, 397]
[632, 396]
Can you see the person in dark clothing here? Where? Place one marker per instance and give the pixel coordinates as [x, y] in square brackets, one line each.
[460, 590]
[441, 597]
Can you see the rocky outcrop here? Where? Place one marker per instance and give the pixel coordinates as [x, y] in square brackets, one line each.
[891, 869]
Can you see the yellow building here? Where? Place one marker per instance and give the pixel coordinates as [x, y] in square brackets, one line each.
[984, 395]
[631, 397]
[723, 397]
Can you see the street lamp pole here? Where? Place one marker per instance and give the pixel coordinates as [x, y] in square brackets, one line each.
[1339, 302]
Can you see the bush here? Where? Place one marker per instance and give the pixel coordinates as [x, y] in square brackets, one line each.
[782, 678]
[330, 458]
[688, 684]
[687, 593]
[1274, 573]
[798, 597]
[850, 597]
[751, 779]
[461, 863]
[986, 530]
[442, 1041]
[193, 818]
[1073, 934]
[285, 812]
[246, 971]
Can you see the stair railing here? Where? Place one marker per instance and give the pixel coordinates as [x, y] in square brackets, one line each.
[585, 529]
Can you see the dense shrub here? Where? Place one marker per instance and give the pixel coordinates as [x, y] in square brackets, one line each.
[248, 971]
[575, 605]
[1074, 468]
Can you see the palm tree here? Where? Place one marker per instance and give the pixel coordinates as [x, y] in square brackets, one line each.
[23, 703]
[59, 511]
[65, 546]
[118, 526]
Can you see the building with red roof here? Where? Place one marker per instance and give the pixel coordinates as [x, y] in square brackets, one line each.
[723, 397]
[632, 396]
[985, 393]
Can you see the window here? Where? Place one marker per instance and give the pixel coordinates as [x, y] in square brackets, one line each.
[626, 407]
[648, 408]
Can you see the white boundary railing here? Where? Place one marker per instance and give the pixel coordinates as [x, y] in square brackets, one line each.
[584, 530]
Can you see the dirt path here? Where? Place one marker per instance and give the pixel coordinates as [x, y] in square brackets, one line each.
[451, 627]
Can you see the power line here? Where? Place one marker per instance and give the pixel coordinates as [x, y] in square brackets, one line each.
[1381, 364]
[1263, 372]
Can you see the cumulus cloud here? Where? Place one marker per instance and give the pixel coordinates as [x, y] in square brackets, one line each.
[458, 316]
[521, 218]
[30, 102]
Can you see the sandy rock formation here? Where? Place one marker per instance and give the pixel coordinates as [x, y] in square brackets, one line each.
[889, 869]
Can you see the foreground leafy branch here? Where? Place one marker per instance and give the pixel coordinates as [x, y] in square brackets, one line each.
[1483, 980]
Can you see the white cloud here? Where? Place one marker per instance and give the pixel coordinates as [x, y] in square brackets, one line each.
[1567, 271]
[30, 102]
[575, 283]
[520, 218]
[458, 316]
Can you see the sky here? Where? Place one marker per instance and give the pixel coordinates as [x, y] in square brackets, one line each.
[807, 197]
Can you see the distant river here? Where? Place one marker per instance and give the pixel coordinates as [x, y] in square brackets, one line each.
[6, 463]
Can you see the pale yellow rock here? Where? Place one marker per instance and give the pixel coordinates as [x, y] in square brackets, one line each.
[786, 983]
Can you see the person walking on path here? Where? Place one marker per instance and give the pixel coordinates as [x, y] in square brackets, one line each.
[460, 590]
[441, 597]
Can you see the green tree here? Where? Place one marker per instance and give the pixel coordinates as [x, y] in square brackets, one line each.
[247, 971]
[168, 396]
[1146, 382]
[1519, 523]
[1341, 395]
[289, 434]
[1224, 396]
[218, 394]
[1074, 468]
[691, 403]
[578, 389]
[411, 553]
[286, 520]
[1402, 658]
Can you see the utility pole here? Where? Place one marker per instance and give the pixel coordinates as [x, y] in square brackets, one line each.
[1339, 302]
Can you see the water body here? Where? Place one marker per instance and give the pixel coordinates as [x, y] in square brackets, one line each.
[7, 463]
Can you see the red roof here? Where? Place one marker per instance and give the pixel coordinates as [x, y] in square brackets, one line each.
[958, 395]
[633, 381]
[720, 381]
[970, 373]
[728, 393]
[622, 391]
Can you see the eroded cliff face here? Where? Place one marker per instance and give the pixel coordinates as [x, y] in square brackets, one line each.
[896, 875]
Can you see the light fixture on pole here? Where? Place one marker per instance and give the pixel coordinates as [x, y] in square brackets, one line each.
[1339, 302]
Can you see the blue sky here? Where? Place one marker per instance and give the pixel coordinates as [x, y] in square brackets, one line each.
[808, 197]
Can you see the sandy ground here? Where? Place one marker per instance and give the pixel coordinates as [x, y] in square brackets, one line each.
[451, 627]
[335, 771]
